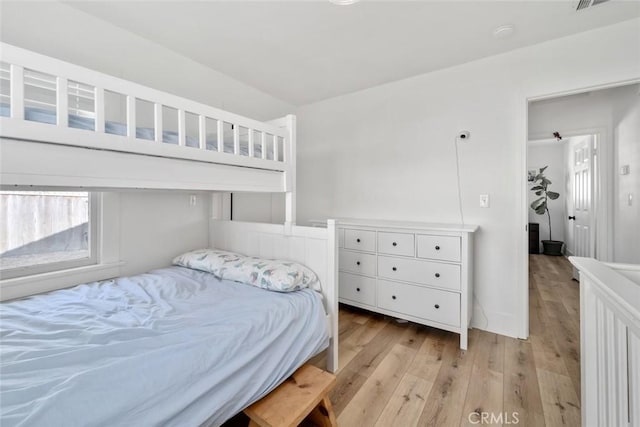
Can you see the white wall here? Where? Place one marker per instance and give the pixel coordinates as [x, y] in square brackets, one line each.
[259, 207]
[626, 218]
[388, 152]
[553, 156]
[616, 113]
[154, 226]
[157, 226]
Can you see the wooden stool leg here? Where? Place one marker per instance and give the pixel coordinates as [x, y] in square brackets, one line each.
[323, 415]
[253, 424]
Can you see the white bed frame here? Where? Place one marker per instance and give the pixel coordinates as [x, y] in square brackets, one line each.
[127, 161]
[35, 154]
[312, 246]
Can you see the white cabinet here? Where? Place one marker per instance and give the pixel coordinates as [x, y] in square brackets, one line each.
[415, 271]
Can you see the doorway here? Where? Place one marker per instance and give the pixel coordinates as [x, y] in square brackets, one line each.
[597, 172]
[569, 166]
[594, 165]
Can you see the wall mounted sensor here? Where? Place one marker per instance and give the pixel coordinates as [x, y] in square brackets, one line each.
[464, 136]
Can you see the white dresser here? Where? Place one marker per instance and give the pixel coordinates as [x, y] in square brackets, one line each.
[415, 271]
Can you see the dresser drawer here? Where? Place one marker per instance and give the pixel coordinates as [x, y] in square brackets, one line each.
[418, 271]
[341, 237]
[357, 262]
[396, 243]
[430, 304]
[360, 240]
[357, 288]
[446, 248]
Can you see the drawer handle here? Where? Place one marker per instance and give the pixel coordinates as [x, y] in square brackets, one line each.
[357, 262]
[394, 244]
[437, 248]
[437, 306]
[358, 240]
[393, 297]
[437, 274]
[357, 289]
[394, 269]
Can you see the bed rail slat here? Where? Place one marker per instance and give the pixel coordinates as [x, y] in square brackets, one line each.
[202, 131]
[275, 147]
[220, 136]
[157, 121]
[236, 139]
[62, 102]
[182, 128]
[99, 109]
[250, 139]
[17, 92]
[263, 143]
[131, 116]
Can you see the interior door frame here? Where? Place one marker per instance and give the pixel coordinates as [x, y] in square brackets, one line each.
[607, 184]
[601, 213]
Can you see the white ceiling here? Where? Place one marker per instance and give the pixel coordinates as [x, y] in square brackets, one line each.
[305, 51]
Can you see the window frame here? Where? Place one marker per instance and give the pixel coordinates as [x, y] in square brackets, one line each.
[94, 245]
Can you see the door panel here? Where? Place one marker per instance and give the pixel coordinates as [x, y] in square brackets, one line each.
[581, 243]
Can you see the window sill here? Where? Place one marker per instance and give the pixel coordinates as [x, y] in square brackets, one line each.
[45, 282]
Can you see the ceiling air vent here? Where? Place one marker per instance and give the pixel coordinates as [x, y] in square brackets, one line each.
[584, 4]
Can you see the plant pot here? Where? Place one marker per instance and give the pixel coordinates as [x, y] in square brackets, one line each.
[552, 247]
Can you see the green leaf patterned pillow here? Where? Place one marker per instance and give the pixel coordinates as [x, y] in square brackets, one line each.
[271, 274]
[209, 260]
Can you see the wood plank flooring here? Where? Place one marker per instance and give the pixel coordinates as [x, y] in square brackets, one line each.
[402, 374]
[407, 375]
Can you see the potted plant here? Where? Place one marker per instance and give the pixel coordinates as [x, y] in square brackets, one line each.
[541, 206]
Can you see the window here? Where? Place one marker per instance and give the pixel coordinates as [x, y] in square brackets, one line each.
[43, 231]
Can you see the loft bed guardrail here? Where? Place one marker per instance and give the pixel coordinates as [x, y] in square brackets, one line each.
[48, 100]
[609, 342]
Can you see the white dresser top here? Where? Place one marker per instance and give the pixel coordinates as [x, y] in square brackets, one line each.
[340, 222]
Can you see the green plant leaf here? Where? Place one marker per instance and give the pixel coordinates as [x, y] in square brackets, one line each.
[545, 181]
[541, 209]
[552, 195]
[537, 187]
[538, 193]
[536, 203]
[543, 169]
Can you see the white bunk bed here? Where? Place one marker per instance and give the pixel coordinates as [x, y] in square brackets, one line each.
[65, 126]
[151, 139]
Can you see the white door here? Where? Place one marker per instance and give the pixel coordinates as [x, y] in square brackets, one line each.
[581, 240]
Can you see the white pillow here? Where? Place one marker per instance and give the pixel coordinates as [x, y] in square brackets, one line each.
[273, 275]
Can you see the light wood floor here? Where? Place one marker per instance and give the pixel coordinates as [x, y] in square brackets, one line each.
[403, 375]
[410, 375]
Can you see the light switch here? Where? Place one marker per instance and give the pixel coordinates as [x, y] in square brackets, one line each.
[624, 170]
[484, 200]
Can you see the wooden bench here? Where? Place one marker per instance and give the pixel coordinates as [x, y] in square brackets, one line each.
[304, 394]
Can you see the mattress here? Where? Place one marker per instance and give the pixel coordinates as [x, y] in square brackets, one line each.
[43, 115]
[173, 347]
